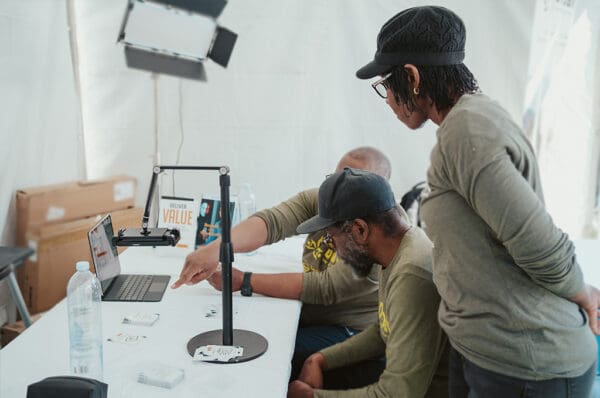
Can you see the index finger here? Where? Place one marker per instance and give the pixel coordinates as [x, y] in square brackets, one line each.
[593, 318]
[190, 278]
[186, 275]
[178, 283]
[182, 276]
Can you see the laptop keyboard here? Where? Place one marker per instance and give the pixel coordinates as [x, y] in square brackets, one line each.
[135, 287]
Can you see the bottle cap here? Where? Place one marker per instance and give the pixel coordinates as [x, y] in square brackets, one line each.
[82, 266]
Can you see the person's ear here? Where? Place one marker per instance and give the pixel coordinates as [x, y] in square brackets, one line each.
[413, 77]
[360, 231]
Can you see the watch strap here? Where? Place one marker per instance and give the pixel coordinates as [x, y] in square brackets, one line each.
[246, 286]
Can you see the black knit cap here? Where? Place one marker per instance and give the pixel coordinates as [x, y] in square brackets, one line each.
[426, 35]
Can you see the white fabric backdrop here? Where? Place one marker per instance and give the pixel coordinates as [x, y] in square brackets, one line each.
[39, 126]
[562, 115]
[288, 106]
[39, 121]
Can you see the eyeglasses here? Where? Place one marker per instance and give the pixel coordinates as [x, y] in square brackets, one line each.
[381, 86]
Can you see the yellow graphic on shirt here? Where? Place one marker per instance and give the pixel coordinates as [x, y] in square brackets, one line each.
[384, 326]
[320, 251]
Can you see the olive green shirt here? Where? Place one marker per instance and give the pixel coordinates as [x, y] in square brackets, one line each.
[331, 295]
[504, 271]
[407, 331]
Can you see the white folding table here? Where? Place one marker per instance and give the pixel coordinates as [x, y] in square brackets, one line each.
[43, 349]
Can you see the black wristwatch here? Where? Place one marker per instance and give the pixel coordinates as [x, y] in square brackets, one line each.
[246, 286]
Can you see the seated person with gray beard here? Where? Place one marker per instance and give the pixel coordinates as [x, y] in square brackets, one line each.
[358, 211]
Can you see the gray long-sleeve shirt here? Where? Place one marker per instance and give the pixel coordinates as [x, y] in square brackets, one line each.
[504, 271]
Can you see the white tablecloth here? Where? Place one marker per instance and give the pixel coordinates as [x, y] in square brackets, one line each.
[43, 349]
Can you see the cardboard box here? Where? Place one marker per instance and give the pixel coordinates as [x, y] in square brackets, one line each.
[53, 204]
[44, 276]
[11, 331]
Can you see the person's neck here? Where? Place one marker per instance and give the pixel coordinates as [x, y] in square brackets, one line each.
[387, 246]
[438, 116]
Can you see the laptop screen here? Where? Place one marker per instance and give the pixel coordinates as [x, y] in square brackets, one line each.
[104, 253]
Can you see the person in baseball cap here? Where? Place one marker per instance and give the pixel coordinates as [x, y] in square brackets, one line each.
[358, 210]
[347, 195]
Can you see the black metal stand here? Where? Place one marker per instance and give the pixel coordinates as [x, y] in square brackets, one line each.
[253, 343]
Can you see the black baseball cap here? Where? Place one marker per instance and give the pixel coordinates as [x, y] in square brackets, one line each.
[349, 194]
[427, 35]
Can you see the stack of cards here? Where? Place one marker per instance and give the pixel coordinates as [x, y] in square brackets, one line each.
[161, 375]
[217, 353]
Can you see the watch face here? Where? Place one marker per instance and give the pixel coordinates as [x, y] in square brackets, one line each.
[246, 287]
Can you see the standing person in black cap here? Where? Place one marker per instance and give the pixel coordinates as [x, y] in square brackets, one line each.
[360, 215]
[514, 303]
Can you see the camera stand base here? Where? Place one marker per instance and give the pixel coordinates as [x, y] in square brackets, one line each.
[253, 343]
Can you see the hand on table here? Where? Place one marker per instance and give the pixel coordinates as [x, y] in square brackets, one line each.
[237, 277]
[299, 389]
[199, 265]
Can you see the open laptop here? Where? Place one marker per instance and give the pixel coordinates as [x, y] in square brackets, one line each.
[116, 286]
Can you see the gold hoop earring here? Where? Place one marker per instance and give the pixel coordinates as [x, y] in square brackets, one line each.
[416, 91]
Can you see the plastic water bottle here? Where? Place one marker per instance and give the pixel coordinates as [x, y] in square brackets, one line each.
[247, 204]
[85, 322]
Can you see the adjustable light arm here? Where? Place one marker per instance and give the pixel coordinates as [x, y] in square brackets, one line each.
[156, 170]
[146, 236]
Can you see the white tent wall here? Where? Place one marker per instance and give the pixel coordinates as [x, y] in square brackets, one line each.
[562, 117]
[288, 105]
[39, 126]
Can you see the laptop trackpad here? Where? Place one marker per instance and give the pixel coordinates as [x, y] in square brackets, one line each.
[156, 290]
[156, 287]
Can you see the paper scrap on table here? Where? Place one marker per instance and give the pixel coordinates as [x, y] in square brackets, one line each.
[141, 318]
[125, 338]
[217, 353]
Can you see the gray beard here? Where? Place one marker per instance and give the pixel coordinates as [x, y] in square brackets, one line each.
[361, 266]
[358, 259]
[362, 272]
